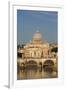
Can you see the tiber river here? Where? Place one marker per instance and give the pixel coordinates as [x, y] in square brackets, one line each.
[35, 73]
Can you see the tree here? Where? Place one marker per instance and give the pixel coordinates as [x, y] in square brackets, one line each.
[54, 49]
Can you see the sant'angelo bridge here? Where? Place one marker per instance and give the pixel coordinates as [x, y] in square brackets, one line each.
[39, 62]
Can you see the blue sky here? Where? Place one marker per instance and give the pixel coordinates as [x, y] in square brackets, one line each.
[28, 22]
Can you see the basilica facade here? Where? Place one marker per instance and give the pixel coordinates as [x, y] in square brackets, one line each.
[37, 48]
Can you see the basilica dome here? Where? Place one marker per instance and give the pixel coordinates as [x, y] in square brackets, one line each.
[37, 36]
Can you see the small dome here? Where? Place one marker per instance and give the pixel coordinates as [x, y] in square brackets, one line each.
[37, 36]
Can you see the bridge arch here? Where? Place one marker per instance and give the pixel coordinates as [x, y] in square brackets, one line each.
[48, 65]
[48, 62]
[31, 63]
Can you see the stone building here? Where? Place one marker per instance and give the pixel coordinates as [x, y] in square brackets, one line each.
[36, 48]
[37, 51]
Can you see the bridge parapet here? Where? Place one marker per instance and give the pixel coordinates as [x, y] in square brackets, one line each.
[38, 61]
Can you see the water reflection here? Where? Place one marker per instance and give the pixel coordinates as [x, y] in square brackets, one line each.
[35, 73]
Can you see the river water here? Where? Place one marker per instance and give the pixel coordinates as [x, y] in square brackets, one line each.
[35, 73]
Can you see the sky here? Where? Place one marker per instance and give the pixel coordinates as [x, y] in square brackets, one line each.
[30, 21]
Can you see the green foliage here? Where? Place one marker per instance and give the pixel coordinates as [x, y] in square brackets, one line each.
[55, 49]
